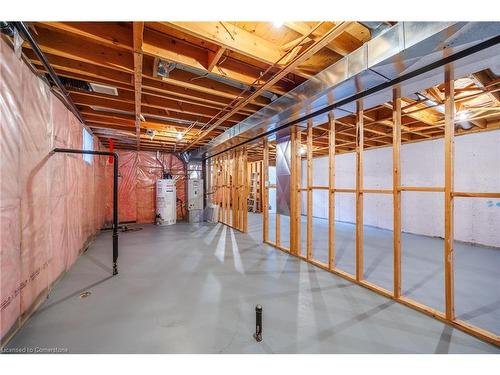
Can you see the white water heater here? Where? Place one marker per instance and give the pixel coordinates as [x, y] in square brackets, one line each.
[166, 202]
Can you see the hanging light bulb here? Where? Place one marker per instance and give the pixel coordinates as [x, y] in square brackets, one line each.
[278, 24]
[180, 135]
[303, 150]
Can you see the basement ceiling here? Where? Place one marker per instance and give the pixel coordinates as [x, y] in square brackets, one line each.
[162, 84]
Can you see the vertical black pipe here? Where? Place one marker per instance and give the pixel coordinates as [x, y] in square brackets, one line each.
[115, 213]
[205, 182]
[115, 195]
[258, 323]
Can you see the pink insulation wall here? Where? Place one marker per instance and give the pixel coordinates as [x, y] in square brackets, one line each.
[50, 204]
[138, 173]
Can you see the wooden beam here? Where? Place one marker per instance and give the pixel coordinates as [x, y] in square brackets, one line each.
[129, 120]
[298, 184]
[183, 100]
[278, 228]
[295, 183]
[73, 47]
[396, 184]
[138, 29]
[359, 188]
[214, 58]
[331, 190]
[422, 113]
[224, 188]
[485, 78]
[181, 84]
[244, 190]
[449, 130]
[230, 36]
[311, 50]
[234, 185]
[160, 45]
[190, 81]
[309, 252]
[265, 187]
[151, 106]
[109, 34]
[343, 44]
[64, 65]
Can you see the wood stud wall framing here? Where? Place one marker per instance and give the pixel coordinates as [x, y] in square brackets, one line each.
[396, 185]
[331, 190]
[309, 254]
[449, 134]
[230, 184]
[265, 190]
[255, 167]
[359, 190]
[448, 316]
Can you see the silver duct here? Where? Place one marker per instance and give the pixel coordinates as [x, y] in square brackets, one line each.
[403, 48]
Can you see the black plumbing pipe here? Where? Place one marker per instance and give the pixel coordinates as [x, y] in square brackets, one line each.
[25, 33]
[258, 323]
[115, 195]
[444, 61]
[6, 28]
[205, 182]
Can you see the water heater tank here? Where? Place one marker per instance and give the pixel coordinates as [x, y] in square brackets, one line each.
[166, 212]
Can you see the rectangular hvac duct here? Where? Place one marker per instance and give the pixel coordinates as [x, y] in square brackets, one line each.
[283, 172]
[404, 48]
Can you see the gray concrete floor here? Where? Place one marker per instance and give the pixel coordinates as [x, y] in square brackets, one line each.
[193, 289]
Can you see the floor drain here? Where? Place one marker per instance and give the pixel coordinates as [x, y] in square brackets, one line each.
[85, 294]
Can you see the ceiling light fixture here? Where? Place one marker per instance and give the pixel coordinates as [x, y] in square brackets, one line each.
[303, 150]
[150, 133]
[180, 135]
[278, 24]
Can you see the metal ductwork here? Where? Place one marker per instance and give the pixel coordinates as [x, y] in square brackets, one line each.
[376, 28]
[164, 68]
[410, 54]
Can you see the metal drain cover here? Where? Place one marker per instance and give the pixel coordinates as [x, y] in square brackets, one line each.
[85, 294]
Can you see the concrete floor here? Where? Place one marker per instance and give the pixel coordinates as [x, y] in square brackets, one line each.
[477, 268]
[193, 289]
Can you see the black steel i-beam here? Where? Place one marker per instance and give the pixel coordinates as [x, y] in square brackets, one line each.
[115, 194]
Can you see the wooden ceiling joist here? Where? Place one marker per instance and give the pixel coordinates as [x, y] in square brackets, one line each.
[214, 58]
[342, 45]
[98, 74]
[153, 101]
[73, 47]
[138, 29]
[173, 50]
[213, 62]
[316, 46]
[109, 34]
[230, 36]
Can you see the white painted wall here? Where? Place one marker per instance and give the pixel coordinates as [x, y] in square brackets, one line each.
[477, 169]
